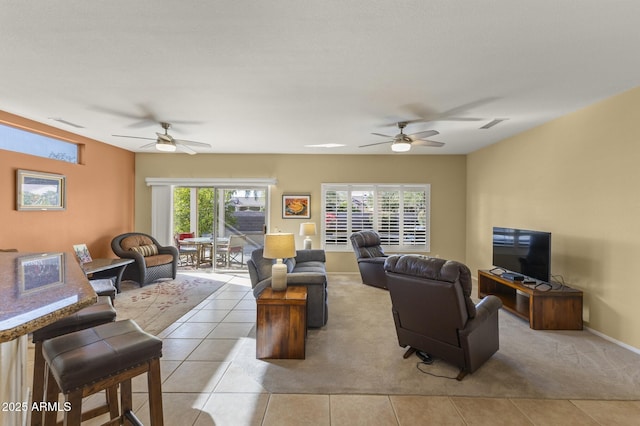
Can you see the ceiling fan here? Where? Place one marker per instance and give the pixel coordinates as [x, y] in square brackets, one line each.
[403, 142]
[167, 143]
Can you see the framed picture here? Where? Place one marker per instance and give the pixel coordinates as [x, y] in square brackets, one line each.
[296, 206]
[40, 271]
[82, 252]
[40, 191]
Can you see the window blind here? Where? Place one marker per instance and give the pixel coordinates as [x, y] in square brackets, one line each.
[399, 213]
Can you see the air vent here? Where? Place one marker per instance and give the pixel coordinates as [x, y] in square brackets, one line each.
[493, 123]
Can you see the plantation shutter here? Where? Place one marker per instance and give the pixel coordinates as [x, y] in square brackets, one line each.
[398, 213]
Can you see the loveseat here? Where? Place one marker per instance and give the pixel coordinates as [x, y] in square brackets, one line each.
[433, 311]
[307, 268]
[152, 261]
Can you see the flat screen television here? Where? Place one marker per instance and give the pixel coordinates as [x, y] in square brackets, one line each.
[523, 252]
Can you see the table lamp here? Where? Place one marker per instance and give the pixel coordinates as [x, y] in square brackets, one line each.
[306, 230]
[279, 247]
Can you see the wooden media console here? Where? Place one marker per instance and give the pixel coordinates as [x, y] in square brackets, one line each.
[546, 307]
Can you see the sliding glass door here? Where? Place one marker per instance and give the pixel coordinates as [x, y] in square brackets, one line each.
[231, 218]
[239, 224]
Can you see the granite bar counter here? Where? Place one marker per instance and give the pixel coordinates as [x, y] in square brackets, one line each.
[36, 289]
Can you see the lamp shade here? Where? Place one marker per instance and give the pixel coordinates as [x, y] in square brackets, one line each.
[279, 246]
[307, 228]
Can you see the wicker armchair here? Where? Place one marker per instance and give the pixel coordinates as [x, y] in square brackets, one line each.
[151, 260]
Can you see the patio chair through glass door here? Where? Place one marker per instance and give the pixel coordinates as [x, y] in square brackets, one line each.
[239, 223]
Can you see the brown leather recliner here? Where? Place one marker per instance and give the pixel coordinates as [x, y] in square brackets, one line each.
[370, 256]
[434, 313]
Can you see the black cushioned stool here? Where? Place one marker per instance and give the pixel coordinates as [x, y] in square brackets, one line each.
[88, 361]
[99, 313]
[104, 287]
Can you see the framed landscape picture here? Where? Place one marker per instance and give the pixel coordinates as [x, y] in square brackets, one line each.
[296, 206]
[40, 191]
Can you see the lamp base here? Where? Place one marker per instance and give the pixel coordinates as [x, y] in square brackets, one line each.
[307, 243]
[279, 276]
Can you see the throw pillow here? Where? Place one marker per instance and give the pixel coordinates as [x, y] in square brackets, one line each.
[148, 250]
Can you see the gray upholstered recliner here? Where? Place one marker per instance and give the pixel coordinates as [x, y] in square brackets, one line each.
[434, 313]
[370, 256]
[307, 268]
[151, 260]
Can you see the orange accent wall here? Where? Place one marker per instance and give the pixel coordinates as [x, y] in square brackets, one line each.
[100, 196]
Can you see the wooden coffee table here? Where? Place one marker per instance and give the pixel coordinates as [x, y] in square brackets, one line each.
[281, 325]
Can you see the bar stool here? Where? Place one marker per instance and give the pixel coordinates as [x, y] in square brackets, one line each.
[105, 287]
[88, 361]
[99, 313]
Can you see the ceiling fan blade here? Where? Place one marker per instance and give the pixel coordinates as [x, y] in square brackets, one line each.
[148, 145]
[419, 110]
[185, 148]
[460, 119]
[470, 105]
[133, 137]
[427, 114]
[145, 120]
[425, 134]
[372, 144]
[384, 136]
[192, 143]
[424, 142]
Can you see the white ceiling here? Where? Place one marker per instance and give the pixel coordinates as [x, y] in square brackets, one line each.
[273, 76]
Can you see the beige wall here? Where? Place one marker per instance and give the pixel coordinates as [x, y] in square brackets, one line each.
[100, 196]
[576, 177]
[304, 174]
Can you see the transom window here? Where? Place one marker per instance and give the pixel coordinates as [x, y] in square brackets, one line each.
[25, 142]
[399, 213]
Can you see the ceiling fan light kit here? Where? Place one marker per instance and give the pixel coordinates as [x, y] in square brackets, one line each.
[400, 146]
[167, 143]
[402, 142]
[165, 146]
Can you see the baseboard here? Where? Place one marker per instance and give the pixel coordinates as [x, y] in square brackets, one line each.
[590, 330]
[614, 341]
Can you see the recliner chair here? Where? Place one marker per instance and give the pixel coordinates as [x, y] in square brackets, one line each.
[370, 256]
[434, 313]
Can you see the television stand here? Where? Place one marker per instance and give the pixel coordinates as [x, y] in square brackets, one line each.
[548, 308]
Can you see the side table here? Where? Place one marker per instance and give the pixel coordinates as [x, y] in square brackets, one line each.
[281, 325]
[106, 268]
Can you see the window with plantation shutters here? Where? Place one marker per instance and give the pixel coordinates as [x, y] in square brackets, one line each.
[398, 213]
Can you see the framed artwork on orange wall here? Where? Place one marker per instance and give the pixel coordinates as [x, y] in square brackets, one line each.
[37, 191]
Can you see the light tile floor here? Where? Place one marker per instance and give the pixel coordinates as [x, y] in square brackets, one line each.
[200, 387]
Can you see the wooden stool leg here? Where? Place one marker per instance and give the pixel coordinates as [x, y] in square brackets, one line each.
[112, 401]
[154, 384]
[38, 384]
[126, 398]
[73, 417]
[51, 394]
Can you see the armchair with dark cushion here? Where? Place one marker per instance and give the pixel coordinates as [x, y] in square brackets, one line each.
[370, 256]
[434, 313]
[151, 260]
[307, 269]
